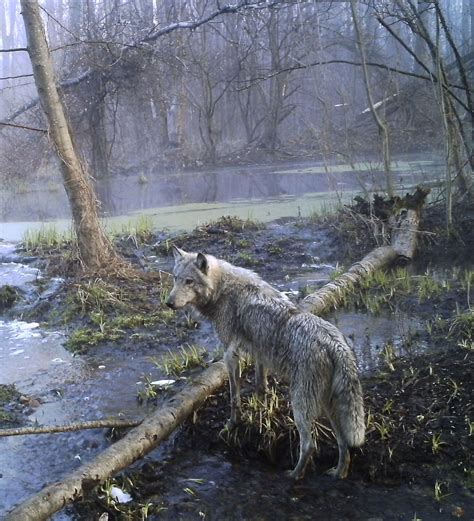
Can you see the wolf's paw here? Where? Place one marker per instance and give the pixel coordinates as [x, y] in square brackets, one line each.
[292, 474]
[334, 474]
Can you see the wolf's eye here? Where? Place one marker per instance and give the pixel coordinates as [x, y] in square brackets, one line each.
[188, 282]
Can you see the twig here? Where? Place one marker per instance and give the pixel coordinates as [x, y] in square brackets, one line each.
[77, 426]
[25, 127]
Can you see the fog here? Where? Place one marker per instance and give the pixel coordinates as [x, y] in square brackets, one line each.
[156, 87]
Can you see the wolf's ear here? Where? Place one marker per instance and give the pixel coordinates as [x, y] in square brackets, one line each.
[201, 262]
[178, 253]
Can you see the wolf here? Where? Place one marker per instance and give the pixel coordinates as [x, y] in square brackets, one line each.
[249, 315]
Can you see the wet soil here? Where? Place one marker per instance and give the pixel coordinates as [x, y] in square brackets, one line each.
[417, 461]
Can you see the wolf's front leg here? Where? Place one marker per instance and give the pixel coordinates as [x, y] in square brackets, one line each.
[231, 359]
[260, 378]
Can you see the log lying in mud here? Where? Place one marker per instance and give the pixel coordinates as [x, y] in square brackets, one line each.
[149, 434]
[138, 442]
[404, 233]
[329, 296]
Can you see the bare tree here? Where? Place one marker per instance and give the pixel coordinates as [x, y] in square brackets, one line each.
[95, 249]
[381, 124]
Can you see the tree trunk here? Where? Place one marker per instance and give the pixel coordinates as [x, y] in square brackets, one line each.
[381, 124]
[95, 249]
[404, 237]
[164, 420]
[71, 427]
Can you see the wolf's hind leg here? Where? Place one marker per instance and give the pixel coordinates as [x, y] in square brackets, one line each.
[342, 469]
[260, 378]
[307, 447]
[231, 359]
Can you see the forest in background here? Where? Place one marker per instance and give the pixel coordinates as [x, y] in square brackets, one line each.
[152, 84]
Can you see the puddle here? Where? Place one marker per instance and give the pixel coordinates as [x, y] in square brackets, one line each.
[368, 334]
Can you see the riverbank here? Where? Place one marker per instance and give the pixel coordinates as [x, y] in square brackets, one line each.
[412, 330]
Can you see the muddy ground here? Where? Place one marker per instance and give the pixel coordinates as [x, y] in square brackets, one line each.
[417, 461]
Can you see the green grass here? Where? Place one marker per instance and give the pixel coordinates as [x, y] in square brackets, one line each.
[112, 329]
[462, 326]
[233, 223]
[95, 296]
[46, 239]
[267, 421]
[8, 394]
[139, 230]
[185, 358]
[84, 337]
[8, 296]
[244, 258]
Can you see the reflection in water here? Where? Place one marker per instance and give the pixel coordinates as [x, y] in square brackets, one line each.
[128, 193]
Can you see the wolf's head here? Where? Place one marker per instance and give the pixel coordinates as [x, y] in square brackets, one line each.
[192, 280]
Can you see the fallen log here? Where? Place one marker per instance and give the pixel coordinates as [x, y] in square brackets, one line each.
[329, 296]
[149, 434]
[404, 226]
[138, 442]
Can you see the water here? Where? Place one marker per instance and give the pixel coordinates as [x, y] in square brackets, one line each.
[68, 388]
[180, 201]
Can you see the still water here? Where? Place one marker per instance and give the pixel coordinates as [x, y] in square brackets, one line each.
[181, 201]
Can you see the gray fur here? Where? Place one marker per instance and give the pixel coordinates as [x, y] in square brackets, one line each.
[310, 353]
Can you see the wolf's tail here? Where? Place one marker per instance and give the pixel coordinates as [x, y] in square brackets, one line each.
[349, 403]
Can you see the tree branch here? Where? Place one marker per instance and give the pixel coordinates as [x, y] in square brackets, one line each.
[16, 77]
[16, 49]
[25, 127]
[388, 68]
[77, 426]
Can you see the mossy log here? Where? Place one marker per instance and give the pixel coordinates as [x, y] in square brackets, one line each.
[149, 434]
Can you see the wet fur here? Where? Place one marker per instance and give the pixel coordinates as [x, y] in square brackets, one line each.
[310, 353]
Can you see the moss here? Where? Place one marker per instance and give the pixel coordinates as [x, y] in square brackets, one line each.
[247, 259]
[85, 337]
[8, 296]
[275, 250]
[8, 395]
[113, 329]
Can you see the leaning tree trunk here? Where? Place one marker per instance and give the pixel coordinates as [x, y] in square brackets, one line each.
[167, 418]
[95, 249]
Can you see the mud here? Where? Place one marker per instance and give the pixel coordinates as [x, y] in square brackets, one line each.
[417, 462]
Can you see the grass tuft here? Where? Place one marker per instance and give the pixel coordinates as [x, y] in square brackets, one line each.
[187, 357]
[46, 239]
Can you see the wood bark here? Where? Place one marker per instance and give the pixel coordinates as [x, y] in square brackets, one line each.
[142, 439]
[381, 124]
[94, 247]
